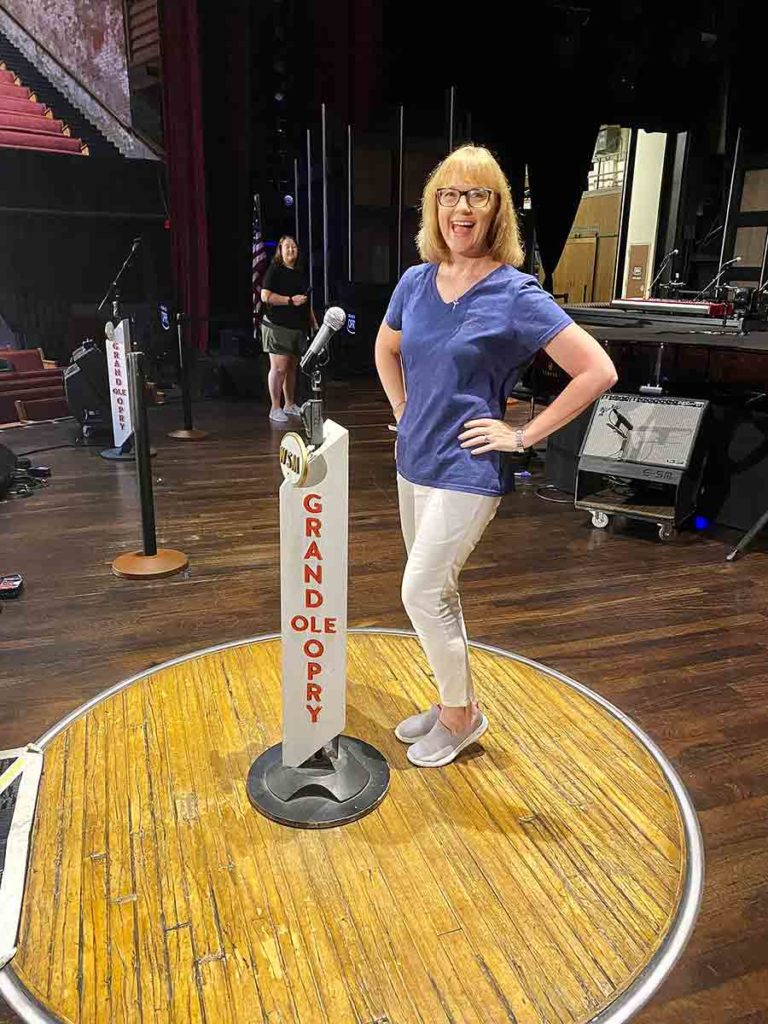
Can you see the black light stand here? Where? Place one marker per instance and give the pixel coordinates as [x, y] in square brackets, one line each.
[748, 537]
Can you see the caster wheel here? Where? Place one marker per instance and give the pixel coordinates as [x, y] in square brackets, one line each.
[599, 520]
[665, 532]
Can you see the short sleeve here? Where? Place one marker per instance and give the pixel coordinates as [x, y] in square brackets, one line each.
[268, 281]
[538, 318]
[394, 314]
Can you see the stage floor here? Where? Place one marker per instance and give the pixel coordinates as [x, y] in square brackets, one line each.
[552, 874]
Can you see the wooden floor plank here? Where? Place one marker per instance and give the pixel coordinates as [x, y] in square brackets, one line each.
[670, 633]
[470, 894]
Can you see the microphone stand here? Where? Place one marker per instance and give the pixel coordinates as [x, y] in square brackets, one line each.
[114, 291]
[662, 268]
[312, 413]
[125, 452]
[715, 279]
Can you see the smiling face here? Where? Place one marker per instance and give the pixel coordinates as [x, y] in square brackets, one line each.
[289, 251]
[466, 231]
[466, 228]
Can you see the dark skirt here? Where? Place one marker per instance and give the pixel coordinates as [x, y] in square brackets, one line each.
[281, 341]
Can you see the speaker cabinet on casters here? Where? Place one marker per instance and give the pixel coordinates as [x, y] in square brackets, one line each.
[642, 457]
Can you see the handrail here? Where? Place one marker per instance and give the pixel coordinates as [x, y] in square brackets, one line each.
[151, 144]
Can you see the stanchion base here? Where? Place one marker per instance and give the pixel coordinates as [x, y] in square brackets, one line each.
[319, 797]
[137, 566]
[117, 455]
[189, 435]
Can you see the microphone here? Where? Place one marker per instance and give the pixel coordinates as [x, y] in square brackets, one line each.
[622, 419]
[333, 321]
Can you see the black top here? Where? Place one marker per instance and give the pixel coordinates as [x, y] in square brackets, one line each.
[285, 281]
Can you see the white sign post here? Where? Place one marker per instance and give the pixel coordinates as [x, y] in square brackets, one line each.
[316, 777]
[118, 344]
[313, 582]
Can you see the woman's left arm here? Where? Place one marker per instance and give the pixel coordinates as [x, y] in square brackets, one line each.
[591, 371]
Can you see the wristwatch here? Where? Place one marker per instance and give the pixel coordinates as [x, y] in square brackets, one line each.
[519, 445]
[290, 300]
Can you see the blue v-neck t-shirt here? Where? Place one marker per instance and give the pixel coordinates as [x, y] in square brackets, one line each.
[461, 360]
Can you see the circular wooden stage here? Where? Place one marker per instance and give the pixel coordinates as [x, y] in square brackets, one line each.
[552, 874]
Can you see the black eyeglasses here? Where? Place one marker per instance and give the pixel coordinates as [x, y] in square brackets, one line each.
[476, 197]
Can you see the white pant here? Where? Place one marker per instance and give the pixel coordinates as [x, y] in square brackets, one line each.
[441, 529]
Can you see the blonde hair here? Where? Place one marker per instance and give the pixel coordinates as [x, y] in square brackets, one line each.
[478, 165]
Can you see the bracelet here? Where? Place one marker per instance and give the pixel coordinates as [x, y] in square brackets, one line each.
[519, 443]
[290, 300]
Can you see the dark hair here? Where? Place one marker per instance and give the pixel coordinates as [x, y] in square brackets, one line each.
[278, 257]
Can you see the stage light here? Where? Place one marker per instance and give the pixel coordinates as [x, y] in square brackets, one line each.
[701, 522]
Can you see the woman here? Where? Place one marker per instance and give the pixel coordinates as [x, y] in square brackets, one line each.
[284, 325]
[458, 332]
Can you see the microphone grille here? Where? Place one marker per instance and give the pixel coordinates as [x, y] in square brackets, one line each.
[335, 317]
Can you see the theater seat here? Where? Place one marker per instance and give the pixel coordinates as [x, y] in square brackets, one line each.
[35, 409]
[35, 378]
[8, 399]
[23, 359]
[27, 124]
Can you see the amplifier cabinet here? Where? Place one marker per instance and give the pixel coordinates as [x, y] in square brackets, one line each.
[642, 457]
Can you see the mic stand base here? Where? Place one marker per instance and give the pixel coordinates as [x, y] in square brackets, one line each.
[124, 453]
[117, 455]
[340, 783]
[189, 435]
[138, 566]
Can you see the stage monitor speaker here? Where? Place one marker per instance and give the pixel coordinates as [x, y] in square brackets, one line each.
[736, 478]
[563, 452]
[86, 385]
[7, 466]
[642, 457]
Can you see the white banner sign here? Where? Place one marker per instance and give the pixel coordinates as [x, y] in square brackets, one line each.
[118, 342]
[313, 577]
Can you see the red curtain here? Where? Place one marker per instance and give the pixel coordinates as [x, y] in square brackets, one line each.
[185, 162]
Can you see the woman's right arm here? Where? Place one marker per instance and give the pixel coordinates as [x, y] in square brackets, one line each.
[390, 367]
[274, 299]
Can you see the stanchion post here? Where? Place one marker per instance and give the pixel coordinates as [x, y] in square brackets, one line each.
[143, 466]
[150, 562]
[188, 432]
